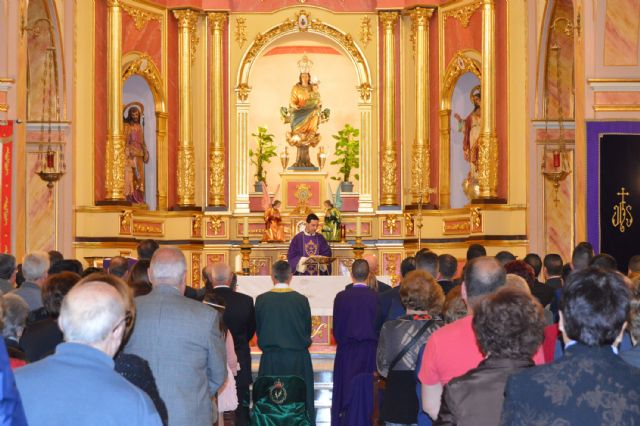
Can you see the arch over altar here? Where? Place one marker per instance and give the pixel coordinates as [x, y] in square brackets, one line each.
[303, 22]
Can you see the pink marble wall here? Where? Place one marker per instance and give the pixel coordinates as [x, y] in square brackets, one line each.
[617, 98]
[621, 33]
[147, 40]
[41, 215]
[100, 97]
[458, 37]
[560, 90]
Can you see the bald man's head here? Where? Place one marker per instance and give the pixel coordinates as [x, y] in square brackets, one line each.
[483, 275]
[168, 267]
[90, 314]
[218, 274]
[372, 260]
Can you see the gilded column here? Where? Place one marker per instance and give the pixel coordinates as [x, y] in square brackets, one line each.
[187, 20]
[114, 155]
[217, 23]
[389, 194]
[488, 145]
[420, 167]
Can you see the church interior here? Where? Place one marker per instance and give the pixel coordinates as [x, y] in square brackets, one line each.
[217, 126]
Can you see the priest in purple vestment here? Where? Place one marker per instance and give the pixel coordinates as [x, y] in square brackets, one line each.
[308, 243]
[354, 330]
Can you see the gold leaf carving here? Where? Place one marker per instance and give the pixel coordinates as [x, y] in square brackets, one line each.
[456, 226]
[243, 91]
[459, 65]
[195, 270]
[365, 31]
[462, 14]
[144, 67]
[365, 90]
[196, 226]
[125, 222]
[140, 17]
[391, 223]
[186, 176]
[148, 227]
[476, 220]
[215, 224]
[240, 35]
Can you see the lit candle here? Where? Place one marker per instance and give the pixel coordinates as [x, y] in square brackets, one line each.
[238, 263]
[245, 227]
[358, 227]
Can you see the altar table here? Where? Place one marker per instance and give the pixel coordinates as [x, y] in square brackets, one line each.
[320, 290]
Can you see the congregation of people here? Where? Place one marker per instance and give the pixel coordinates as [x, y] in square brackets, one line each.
[496, 341]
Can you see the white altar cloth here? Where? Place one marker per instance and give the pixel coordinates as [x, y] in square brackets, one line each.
[319, 290]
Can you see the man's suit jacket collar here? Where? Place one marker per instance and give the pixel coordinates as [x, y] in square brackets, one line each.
[166, 289]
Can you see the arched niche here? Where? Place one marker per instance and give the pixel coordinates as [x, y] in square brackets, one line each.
[137, 64]
[362, 90]
[463, 62]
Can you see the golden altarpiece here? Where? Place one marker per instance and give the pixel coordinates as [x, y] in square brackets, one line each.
[214, 75]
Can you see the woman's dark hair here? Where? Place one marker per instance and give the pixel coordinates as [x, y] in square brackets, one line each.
[218, 303]
[522, 269]
[454, 306]
[594, 306]
[55, 288]
[139, 278]
[509, 324]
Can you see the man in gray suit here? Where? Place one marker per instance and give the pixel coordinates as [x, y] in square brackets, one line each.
[181, 340]
[34, 268]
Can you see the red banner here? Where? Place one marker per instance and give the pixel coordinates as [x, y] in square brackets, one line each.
[6, 141]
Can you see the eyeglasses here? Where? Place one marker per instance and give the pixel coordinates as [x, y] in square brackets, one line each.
[126, 320]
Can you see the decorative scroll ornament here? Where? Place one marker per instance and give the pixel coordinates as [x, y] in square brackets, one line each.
[389, 20]
[409, 224]
[622, 218]
[476, 220]
[391, 223]
[186, 176]
[196, 226]
[126, 218]
[195, 270]
[243, 91]
[240, 34]
[302, 22]
[459, 65]
[216, 178]
[365, 31]
[462, 14]
[144, 67]
[215, 224]
[365, 90]
[389, 167]
[140, 17]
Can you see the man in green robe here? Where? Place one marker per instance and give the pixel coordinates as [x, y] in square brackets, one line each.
[283, 325]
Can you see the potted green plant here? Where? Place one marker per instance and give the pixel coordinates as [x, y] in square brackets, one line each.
[348, 156]
[265, 151]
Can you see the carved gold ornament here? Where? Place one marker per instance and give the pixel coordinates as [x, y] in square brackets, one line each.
[476, 220]
[140, 17]
[144, 67]
[196, 226]
[391, 267]
[459, 65]
[196, 272]
[622, 218]
[126, 218]
[456, 226]
[148, 227]
[365, 31]
[389, 168]
[216, 178]
[409, 224]
[391, 223]
[186, 164]
[243, 91]
[240, 34]
[365, 90]
[215, 224]
[462, 14]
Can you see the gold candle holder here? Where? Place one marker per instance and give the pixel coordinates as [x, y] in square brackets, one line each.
[245, 251]
[322, 157]
[284, 159]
